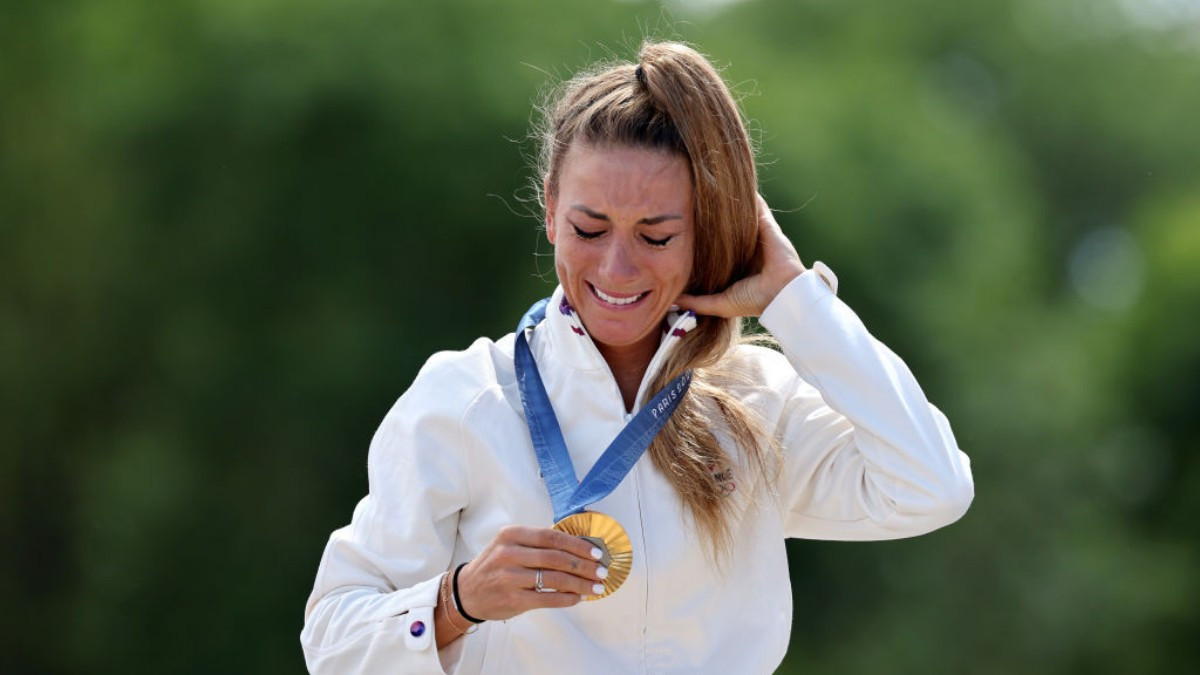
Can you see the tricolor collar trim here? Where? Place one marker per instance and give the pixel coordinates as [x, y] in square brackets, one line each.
[570, 343]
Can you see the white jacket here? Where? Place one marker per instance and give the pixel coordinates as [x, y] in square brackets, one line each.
[865, 457]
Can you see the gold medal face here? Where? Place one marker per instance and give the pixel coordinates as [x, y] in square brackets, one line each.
[597, 527]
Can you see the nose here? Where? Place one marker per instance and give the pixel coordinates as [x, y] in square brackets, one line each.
[619, 264]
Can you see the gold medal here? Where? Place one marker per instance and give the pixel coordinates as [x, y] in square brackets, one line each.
[608, 535]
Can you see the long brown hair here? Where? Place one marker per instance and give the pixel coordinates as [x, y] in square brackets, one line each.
[674, 100]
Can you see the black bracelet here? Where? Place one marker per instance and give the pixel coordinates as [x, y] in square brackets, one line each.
[457, 602]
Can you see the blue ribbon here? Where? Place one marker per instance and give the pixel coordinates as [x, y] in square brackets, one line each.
[566, 494]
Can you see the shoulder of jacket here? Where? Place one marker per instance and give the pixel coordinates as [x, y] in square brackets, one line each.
[430, 416]
[759, 359]
[766, 367]
[452, 379]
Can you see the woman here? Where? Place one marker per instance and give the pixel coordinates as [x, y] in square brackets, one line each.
[661, 246]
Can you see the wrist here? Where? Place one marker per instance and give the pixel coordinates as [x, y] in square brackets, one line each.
[450, 624]
[458, 605]
[774, 284]
[789, 275]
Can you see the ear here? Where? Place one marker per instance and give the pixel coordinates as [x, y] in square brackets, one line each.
[551, 204]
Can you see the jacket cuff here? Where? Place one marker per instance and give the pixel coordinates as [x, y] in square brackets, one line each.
[366, 646]
[418, 623]
[814, 285]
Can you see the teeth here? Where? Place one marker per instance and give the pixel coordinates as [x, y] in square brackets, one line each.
[617, 301]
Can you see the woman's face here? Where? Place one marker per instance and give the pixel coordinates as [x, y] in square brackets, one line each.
[621, 225]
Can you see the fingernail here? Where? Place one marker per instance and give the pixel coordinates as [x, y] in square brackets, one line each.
[597, 553]
[674, 308]
[602, 572]
[597, 588]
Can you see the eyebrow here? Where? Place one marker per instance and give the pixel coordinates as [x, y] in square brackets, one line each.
[644, 221]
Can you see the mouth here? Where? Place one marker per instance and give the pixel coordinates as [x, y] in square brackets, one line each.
[618, 300]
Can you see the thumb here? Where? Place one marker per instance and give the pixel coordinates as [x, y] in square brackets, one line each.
[744, 298]
[707, 305]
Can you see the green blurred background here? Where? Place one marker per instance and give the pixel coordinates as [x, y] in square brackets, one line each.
[231, 231]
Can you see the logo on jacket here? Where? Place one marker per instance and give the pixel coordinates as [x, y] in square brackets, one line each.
[723, 477]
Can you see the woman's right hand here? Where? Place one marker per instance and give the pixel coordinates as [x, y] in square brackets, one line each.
[501, 582]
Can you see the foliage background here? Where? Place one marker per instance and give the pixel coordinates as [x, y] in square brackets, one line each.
[232, 230]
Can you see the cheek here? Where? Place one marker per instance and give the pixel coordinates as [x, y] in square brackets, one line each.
[560, 266]
[578, 254]
[567, 261]
[684, 267]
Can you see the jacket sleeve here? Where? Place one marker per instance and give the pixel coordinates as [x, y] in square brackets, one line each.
[380, 575]
[866, 456]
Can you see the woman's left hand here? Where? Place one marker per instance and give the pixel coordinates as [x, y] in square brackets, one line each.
[751, 295]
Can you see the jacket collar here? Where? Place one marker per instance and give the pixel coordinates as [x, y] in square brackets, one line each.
[570, 343]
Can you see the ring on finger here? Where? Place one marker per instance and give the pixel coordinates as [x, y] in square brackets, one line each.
[538, 586]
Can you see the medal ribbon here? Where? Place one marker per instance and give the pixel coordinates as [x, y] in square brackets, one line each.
[567, 495]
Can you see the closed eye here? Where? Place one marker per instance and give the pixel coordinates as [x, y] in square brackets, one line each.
[657, 242]
[584, 234]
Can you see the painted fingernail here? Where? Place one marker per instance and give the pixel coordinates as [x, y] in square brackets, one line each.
[602, 572]
[597, 553]
[597, 588]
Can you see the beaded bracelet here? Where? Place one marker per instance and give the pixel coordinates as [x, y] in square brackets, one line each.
[458, 601]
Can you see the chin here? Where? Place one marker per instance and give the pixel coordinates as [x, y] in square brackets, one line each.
[608, 335]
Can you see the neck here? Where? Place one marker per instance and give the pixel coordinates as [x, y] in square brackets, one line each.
[628, 364]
